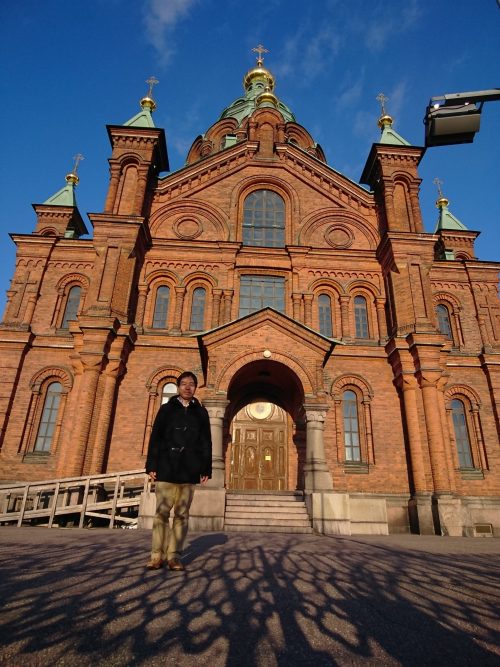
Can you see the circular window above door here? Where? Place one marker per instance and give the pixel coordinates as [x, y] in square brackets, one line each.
[260, 410]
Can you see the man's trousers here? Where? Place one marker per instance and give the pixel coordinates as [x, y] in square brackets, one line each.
[168, 542]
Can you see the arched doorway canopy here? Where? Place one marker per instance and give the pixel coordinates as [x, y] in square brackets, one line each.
[269, 380]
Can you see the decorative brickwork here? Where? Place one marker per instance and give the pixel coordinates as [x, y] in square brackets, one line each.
[386, 407]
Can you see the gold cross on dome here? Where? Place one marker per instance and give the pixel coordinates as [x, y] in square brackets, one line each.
[260, 50]
[438, 183]
[152, 81]
[382, 99]
[77, 158]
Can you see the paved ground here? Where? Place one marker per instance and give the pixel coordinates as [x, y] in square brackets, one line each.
[83, 597]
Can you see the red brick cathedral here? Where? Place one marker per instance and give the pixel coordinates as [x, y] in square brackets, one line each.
[341, 349]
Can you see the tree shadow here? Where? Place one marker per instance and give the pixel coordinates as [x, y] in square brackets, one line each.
[83, 597]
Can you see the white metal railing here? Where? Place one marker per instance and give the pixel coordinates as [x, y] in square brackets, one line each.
[109, 497]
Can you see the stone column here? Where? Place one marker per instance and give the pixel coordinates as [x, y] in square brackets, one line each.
[76, 444]
[308, 299]
[216, 409]
[420, 505]
[388, 194]
[409, 387]
[95, 464]
[447, 441]
[453, 442]
[57, 308]
[415, 209]
[484, 332]
[381, 321]
[113, 187]
[369, 431]
[316, 473]
[456, 317]
[179, 303]
[30, 308]
[216, 299]
[227, 301]
[142, 180]
[296, 299]
[344, 316]
[435, 434]
[10, 295]
[479, 437]
[141, 305]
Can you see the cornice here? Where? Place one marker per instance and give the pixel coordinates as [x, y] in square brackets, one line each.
[312, 171]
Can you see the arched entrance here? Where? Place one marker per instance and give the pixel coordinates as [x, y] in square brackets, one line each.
[259, 448]
[266, 439]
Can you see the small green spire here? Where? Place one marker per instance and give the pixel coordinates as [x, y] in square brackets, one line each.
[148, 105]
[389, 134]
[66, 196]
[446, 220]
[63, 197]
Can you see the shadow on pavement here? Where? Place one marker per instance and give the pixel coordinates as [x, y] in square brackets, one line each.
[79, 597]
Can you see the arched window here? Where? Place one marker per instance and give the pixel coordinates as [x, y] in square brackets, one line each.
[325, 315]
[361, 317]
[443, 318]
[72, 304]
[161, 307]
[264, 219]
[461, 434]
[49, 417]
[351, 426]
[169, 390]
[198, 309]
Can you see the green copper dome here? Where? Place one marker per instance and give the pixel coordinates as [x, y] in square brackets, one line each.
[256, 81]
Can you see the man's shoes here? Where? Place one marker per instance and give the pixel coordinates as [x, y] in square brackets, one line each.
[175, 564]
[154, 564]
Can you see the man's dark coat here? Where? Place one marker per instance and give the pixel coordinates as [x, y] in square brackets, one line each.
[180, 447]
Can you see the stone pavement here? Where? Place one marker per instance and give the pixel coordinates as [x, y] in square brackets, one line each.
[83, 597]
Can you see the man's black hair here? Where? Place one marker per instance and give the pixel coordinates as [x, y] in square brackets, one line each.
[187, 374]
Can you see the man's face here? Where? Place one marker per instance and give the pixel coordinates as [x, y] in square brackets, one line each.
[187, 388]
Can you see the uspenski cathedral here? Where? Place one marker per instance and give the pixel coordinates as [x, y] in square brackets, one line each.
[343, 351]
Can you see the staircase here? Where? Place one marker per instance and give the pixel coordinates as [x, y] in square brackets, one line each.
[108, 500]
[266, 512]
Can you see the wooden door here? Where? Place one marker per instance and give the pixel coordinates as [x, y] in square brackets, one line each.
[259, 449]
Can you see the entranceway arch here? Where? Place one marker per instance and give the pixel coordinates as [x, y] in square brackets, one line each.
[266, 430]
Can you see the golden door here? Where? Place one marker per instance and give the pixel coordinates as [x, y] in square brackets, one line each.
[259, 448]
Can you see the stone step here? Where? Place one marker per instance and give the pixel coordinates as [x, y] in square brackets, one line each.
[266, 497]
[264, 502]
[249, 514]
[275, 509]
[268, 529]
[265, 521]
[259, 512]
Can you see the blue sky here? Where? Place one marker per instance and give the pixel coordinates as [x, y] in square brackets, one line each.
[68, 69]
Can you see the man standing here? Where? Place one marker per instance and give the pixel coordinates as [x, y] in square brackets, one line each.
[179, 456]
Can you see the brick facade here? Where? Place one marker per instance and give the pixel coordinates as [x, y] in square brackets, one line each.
[184, 231]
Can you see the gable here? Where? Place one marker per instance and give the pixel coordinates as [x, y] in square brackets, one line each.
[266, 325]
[324, 208]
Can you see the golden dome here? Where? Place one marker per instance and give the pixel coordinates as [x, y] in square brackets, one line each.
[384, 120]
[258, 73]
[148, 103]
[267, 97]
[72, 177]
[442, 202]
